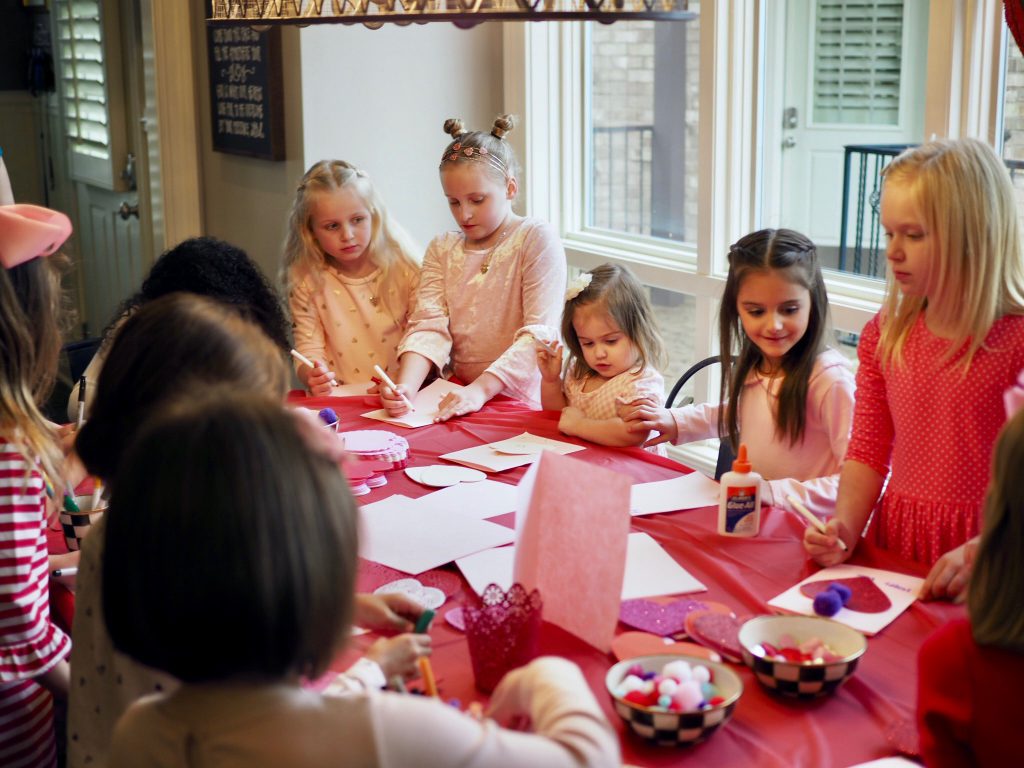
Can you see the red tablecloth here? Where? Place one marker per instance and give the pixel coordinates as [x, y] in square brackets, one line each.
[857, 724]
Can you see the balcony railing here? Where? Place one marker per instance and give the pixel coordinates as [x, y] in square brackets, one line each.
[620, 194]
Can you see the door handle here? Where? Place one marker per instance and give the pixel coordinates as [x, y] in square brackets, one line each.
[126, 211]
[789, 142]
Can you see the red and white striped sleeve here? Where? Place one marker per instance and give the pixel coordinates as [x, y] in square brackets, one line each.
[30, 644]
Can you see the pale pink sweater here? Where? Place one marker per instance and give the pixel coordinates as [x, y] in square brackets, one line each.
[810, 469]
[465, 321]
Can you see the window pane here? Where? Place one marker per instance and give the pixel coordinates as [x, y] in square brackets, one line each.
[641, 128]
[1013, 119]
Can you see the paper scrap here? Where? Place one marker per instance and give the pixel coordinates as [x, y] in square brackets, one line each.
[525, 449]
[677, 493]
[427, 402]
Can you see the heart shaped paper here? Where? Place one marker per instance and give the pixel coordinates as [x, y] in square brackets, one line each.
[444, 475]
[373, 575]
[663, 619]
[865, 596]
[717, 631]
[629, 645]
[428, 597]
[457, 618]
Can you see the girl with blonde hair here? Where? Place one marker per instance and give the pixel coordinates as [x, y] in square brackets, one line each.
[934, 363]
[351, 276]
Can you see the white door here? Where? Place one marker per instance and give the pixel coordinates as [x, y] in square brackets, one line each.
[100, 86]
[853, 74]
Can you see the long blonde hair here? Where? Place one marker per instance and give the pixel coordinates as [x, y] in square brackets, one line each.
[996, 591]
[390, 248]
[30, 336]
[964, 194]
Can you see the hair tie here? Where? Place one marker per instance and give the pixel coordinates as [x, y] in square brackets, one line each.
[498, 133]
[577, 285]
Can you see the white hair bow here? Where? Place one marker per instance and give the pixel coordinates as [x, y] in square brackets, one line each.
[577, 285]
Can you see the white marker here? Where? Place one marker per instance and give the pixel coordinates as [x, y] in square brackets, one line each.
[394, 387]
[799, 507]
[306, 361]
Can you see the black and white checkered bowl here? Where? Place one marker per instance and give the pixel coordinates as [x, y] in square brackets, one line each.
[669, 729]
[803, 680]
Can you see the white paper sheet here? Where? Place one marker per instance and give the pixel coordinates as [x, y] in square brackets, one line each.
[526, 448]
[901, 589]
[485, 499]
[677, 493]
[650, 570]
[426, 402]
[413, 538]
[351, 390]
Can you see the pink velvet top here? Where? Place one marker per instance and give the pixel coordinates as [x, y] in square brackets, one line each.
[937, 427]
[465, 320]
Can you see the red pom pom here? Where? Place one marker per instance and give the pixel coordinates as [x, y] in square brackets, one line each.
[716, 700]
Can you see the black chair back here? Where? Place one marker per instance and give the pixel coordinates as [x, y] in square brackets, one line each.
[725, 452]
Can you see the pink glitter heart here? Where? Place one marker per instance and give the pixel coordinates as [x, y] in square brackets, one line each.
[658, 619]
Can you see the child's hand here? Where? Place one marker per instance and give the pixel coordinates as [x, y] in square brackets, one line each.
[949, 576]
[392, 401]
[469, 399]
[319, 379]
[569, 420]
[398, 655]
[648, 417]
[392, 612]
[549, 361]
[824, 548]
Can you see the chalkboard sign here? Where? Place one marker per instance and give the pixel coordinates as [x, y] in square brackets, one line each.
[246, 109]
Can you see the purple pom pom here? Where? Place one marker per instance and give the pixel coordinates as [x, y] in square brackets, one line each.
[827, 603]
[650, 675]
[842, 590]
[328, 416]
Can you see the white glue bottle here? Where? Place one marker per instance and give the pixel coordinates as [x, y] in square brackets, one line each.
[739, 501]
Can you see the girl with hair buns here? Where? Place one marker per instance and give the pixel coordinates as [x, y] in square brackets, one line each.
[499, 274]
[934, 364]
[33, 650]
[351, 275]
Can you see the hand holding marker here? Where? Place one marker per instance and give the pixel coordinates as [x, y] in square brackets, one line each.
[306, 361]
[809, 516]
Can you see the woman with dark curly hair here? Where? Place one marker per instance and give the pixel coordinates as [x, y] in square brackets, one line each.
[208, 267]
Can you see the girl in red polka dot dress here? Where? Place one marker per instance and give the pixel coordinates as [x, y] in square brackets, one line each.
[934, 363]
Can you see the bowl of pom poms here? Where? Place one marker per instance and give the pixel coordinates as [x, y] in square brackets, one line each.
[802, 656]
[673, 699]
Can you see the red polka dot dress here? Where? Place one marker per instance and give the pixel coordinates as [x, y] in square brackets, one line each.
[936, 427]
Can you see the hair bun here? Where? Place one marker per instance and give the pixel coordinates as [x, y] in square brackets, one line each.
[454, 127]
[502, 125]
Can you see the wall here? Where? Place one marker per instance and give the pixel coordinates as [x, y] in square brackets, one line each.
[245, 200]
[379, 98]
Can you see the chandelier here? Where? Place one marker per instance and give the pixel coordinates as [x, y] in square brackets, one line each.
[462, 13]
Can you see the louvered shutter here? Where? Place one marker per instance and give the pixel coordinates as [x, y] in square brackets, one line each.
[858, 50]
[90, 93]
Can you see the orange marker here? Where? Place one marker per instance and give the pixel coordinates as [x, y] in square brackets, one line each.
[427, 673]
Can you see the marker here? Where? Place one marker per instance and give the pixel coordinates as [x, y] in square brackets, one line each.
[81, 403]
[387, 380]
[427, 673]
[423, 622]
[799, 507]
[306, 361]
[64, 572]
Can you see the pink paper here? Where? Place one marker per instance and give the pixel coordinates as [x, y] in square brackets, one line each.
[571, 543]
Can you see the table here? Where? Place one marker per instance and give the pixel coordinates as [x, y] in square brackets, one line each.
[858, 723]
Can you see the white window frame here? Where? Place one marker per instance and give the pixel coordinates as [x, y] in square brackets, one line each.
[543, 82]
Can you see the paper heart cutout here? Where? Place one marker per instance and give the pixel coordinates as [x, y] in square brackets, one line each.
[444, 475]
[428, 597]
[629, 645]
[662, 619]
[372, 575]
[457, 618]
[865, 596]
[717, 631]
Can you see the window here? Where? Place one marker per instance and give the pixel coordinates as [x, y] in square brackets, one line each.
[642, 128]
[93, 130]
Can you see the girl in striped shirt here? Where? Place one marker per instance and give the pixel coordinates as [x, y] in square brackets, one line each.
[33, 651]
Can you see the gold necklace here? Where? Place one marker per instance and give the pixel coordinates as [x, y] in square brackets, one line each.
[490, 253]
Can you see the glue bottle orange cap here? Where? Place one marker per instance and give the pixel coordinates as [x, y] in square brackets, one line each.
[741, 464]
